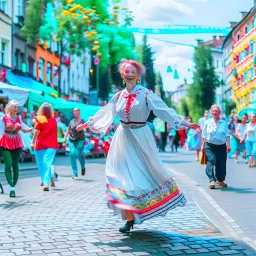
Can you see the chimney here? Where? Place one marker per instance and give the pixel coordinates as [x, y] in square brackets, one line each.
[244, 14]
[215, 40]
[233, 23]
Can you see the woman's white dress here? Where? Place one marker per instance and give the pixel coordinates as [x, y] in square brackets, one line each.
[137, 180]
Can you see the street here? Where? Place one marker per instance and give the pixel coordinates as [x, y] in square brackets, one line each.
[73, 219]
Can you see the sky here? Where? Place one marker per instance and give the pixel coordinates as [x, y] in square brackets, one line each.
[159, 13]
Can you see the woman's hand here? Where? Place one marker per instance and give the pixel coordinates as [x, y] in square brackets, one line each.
[32, 145]
[194, 126]
[202, 149]
[80, 127]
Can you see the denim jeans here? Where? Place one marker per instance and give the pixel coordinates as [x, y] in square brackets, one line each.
[76, 148]
[44, 160]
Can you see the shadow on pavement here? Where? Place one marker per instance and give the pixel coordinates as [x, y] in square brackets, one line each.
[161, 243]
[238, 190]
[176, 161]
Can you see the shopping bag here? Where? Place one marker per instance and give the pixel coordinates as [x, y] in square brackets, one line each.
[203, 159]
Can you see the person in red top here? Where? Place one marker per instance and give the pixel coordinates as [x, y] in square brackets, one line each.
[45, 142]
[11, 143]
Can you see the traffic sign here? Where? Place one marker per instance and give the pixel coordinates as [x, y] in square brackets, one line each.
[96, 61]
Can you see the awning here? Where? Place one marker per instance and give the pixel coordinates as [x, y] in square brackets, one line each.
[14, 93]
[29, 83]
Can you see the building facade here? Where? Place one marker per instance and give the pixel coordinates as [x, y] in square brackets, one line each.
[48, 63]
[5, 34]
[75, 77]
[244, 60]
[180, 93]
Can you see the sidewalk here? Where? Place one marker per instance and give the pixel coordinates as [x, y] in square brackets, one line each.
[73, 219]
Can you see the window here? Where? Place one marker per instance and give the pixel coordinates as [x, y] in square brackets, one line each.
[56, 76]
[16, 60]
[241, 56]
[3, 5]
[20, 8]
[253, 94]
[3, 53]
[244, 101]
[247, 28]
[245, 53]
[49, 73]
[249, 97]
[238, 37]
[252, 47]
[252, 73]
[245, 76]
[41, 69]
[239, 81]
[239, 102]
[217, 63]
[254, 22]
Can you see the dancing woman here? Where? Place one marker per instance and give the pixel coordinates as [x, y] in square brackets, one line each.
[11, 143]
[138, 184]
[45, 143]
[76, 139]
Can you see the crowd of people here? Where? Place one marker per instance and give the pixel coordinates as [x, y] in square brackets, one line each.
[139, 186]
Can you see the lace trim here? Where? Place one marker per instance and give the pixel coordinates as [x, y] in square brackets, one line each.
[130, 99]
[91, 125]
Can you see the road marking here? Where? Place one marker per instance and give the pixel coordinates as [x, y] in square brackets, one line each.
[234, 229]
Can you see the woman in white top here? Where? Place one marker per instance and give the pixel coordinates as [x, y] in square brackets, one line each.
[241, 127]
[138, 184]
[216, 144]
[250, 140]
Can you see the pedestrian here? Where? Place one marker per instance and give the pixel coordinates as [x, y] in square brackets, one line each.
[45, 143]
[174, 139]
[195, 140]
[240, 147]
[203, 119]
[216, 144]
[138, 184]
[11, 143]
[232, 131]
[76, 143]
[250, 141]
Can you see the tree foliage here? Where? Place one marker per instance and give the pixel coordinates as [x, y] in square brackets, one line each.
[184, 107]
[201, 92]
[81, 24]
[148, 62]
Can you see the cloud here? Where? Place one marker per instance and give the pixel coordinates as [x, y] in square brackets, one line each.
[200, 1]
[158, 11]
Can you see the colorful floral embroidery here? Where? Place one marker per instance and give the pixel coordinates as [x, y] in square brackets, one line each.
[145, 202]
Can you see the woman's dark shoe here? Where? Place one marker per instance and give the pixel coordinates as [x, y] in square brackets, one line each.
[127, 227]
[12, 193]
[83, 171]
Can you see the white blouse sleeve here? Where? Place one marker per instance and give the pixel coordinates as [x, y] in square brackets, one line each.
[160, 109]
[104, 117]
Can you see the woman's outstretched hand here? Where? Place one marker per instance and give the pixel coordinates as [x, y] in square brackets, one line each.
[80, 127]
[194, 126]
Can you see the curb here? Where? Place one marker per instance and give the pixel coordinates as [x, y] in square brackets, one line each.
[31, 168]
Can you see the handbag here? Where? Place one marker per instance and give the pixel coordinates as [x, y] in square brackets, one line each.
[203, 158]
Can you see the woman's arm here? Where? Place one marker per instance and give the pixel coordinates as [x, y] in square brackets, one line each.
[35, 136]
[243, 138]
[228, 144]
[66, 134]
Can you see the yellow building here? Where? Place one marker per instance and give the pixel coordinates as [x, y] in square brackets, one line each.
[244, 60]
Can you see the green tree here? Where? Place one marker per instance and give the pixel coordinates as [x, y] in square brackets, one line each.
[201, 92]
[184, 107]
[148, 62]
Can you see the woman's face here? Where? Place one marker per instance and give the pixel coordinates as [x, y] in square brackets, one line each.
[215, 112]
[244, 118]
[14, 109]
[130, 73]
[253, 118]
[236, 119]
[76, 112]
